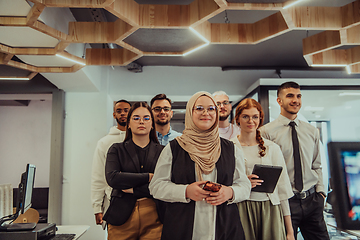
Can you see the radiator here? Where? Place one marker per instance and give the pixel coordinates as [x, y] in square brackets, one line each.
[6, 200]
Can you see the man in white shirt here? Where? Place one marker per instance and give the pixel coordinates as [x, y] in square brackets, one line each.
[161, 108]
[100, 190]
[300, 144]
[227, 130]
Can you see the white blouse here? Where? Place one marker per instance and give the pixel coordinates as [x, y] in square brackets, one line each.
[274, 157]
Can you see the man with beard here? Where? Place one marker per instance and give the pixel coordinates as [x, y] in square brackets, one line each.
[100, 190]
[161, 108]
[300, 144]
[227, 130]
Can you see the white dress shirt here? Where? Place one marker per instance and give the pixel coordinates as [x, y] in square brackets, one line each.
[279, 132]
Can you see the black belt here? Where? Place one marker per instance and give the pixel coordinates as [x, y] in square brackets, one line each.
[304, 194]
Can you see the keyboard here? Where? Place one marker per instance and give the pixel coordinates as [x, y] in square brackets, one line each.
[63, 236]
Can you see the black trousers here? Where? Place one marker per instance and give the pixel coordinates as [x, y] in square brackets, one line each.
[307, 214]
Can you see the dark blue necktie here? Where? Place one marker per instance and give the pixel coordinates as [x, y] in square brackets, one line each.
[297, 161]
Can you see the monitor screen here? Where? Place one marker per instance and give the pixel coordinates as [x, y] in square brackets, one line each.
[344, 158]
[25, 189]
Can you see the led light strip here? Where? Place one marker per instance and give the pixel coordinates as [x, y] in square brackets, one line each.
[14, 78]
[70, 59]
[292, 4]
[195, 49]
[199, 35]
[347, 67]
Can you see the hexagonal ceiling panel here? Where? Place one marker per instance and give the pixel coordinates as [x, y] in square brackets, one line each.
[163, 40]
[241, 16]
[25, 37]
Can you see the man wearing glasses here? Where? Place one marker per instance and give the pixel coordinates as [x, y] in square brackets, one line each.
[100, 190]
[161, 108]
[227, 130]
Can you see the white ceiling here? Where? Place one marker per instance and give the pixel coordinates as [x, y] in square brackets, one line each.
[26, 37]
[7, 8]
[45, 60]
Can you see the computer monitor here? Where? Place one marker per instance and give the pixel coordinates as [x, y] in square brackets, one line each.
[23, 202]
[344, 158]
[25, 189]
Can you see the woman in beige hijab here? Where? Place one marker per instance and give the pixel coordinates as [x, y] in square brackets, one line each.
[184, 166]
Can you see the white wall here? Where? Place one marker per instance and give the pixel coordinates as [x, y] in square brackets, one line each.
[179, 83]
[25, 133]
[88, 118]
[86, 122]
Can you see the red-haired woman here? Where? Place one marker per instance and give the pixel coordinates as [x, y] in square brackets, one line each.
[263, 215]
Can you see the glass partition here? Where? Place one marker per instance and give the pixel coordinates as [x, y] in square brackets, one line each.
[336, 113]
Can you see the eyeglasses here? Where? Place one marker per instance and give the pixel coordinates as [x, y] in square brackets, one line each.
[137, 118]
[200, 109]
[247, 118]
[158, 109]
[225, 103]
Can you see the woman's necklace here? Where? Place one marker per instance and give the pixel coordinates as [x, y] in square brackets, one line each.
[243, 143]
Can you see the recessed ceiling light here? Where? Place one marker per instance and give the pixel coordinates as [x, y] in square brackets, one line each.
[317, 116]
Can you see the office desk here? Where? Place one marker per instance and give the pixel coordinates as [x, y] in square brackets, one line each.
[79, 230]
[337, 233]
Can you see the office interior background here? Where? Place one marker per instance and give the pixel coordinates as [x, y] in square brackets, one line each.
[55, 119]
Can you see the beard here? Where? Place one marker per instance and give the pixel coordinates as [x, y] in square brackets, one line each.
[223, 118]
[288, 109]
[121, 123]
[158, 122]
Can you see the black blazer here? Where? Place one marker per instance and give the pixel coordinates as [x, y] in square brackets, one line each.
[122, 171]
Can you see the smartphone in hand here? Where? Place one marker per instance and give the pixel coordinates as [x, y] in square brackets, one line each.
[211, 186]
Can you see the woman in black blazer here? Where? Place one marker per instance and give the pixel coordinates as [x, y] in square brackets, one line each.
[129, 168]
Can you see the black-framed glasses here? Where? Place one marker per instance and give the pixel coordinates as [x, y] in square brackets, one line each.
[138, 118]
[200, 109]
[225, 103]
[158, 109]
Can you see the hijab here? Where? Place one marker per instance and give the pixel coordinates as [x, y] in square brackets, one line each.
[203, 146]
